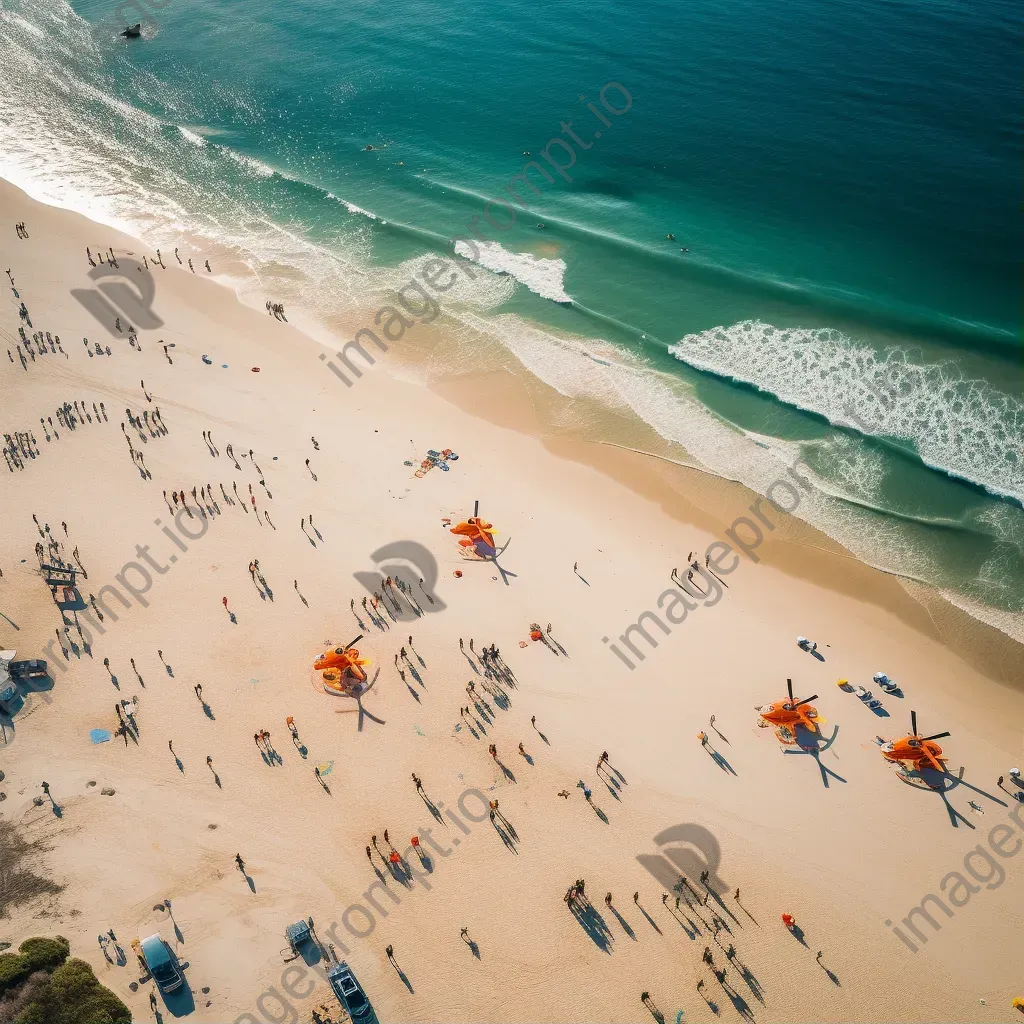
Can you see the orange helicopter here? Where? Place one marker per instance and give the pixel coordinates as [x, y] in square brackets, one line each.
[792, 712]
[475, 532]
[342, 660]
[918, 750]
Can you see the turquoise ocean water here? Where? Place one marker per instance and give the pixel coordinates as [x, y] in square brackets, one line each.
[845, 178]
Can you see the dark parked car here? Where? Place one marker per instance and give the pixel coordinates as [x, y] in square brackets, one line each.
[32, 669]
[349, 994]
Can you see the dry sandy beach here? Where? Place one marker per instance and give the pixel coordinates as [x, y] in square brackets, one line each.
[837, 840]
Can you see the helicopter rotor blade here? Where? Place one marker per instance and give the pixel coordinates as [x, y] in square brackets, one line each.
[937, 736]
[806, 700]
[913, 723]
[351, 642]
[789, 686]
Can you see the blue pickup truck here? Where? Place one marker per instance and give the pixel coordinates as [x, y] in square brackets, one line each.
[162, 965]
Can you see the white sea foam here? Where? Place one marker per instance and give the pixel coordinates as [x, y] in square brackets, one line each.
[258, 167]
[196, 140]
[965, 427]
[351, 207]
[544, 277]
[841, 506]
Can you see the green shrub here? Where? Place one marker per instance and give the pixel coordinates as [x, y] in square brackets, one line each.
[45, 954]
[37, 954]
[81, 999]
[71, 994]
[13, 971]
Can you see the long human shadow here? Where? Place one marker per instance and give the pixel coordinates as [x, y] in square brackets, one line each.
[748, 976]
[834, 978]
[611, 790]
[650, 920]
[401, 974]
[593, 924]
[713, 892]
[506, 838]
[712, 1005]
[748, 913]
[692, 931]
[432, 807]
[719, 760]
[740, 1004]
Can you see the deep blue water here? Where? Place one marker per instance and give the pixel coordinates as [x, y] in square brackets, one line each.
[845, 179]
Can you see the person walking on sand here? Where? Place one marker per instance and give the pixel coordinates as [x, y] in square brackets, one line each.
[239, 863]
[199, 691]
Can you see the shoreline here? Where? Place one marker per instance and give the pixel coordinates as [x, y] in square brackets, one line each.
[410, 353]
